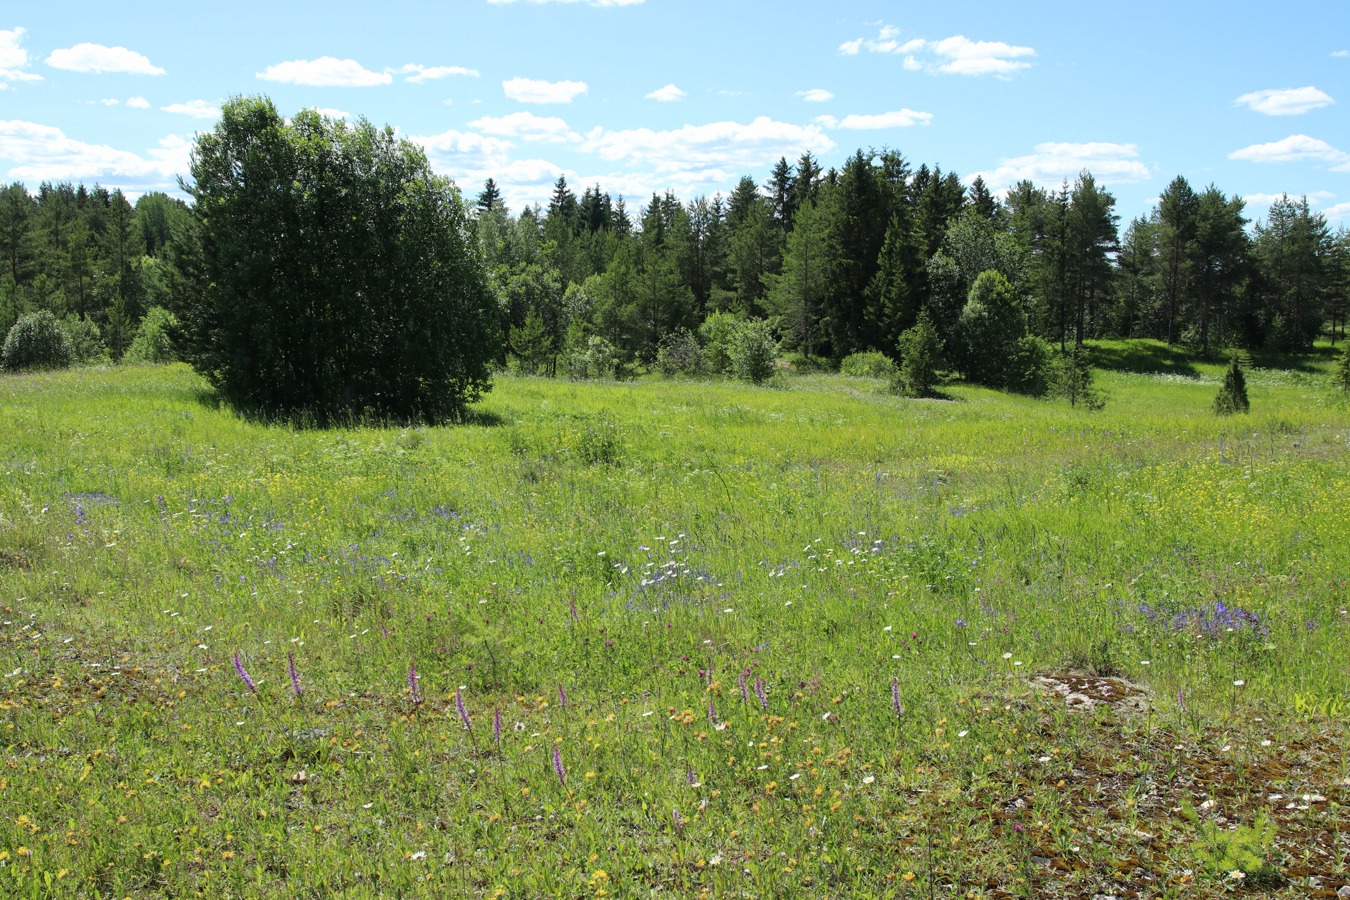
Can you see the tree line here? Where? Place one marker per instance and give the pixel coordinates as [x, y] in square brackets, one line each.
[838, 261]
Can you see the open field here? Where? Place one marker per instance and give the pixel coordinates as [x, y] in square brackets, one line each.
[737, 641]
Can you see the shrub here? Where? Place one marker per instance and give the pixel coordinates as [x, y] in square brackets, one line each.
[594, 358]
[154, 338]
[991, 332]
[37, 341]
[920, 355]
[86, 341]
[679, 354]
[753, 352]
[1029, 367]
[337, 278]
[1232, 397]
[717, 332]
[870, 364]
[1340, 377]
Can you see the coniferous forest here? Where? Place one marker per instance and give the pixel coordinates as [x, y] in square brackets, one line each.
[836, 261]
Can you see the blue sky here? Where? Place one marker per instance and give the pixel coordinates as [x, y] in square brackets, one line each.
[649, 95]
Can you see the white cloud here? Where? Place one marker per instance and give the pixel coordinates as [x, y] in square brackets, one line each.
[197, 109]
[587, 2]
[1295, 148]
[1337, 213]
[815, 95]
[138, 103]
[1264, 201]
[99, 59]
[1053, 162]
[44, 153]
[667, 94]
[1341, 53]
[110, 101]
[419, 74]
[956, 55]
[528, 90]
[455, 151]
[902, 118]
[1292, 102]
[712, 148]
[331, 113]
[13, 58]
[527, 126]
[326, 71]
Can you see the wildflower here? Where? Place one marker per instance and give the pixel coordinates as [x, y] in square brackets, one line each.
[295, 675]
[461, 709]
[745, 690]
[562, 696]
[243, 674]
[712, 712]
[558, 767]
[762, 692]
[414, 683]
[679, 822]
[896, 703]
[497, 726]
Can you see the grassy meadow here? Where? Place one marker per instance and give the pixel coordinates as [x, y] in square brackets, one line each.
[668, 638]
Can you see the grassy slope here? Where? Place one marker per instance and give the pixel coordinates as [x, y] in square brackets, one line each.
[646, 547]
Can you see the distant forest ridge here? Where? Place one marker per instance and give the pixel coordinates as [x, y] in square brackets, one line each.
[840, 260]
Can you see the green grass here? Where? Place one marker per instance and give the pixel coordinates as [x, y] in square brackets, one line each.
[644, 549]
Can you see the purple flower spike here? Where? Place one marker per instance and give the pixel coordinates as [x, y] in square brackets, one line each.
[562, 696]
[243, 675]
[762, 692]
[896, 702]
[497, 726]
[295, 675]
[679, 822]
[558, 766]
[462, 709]
[745, 690]
[712, 712]
[414, 683]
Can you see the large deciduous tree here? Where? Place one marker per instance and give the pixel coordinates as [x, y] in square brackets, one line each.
[338, 277]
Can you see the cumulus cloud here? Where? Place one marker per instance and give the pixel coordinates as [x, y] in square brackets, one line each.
[197, 109]
[99, 59]
[713, 148]
[1295, 148]
[815, 95]
[1337, 213]
[455, 151]
[1053, 162]
[13, 58]
[138, 103]
[326, 71]
[667, 94]
[419, 74]
[331, 113]
[45, 153]
[902, 118]
[527, 126]
[955, 55]
[1291, 102]
[528, 90]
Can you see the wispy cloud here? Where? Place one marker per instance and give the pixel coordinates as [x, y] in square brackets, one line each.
[901, 118]
[98, 59]
[527, 127]
[723, 148]
[13, 58]
[1341, 54]
[816, 95]
[326, 71]
[1295, 148]
[956, 55]
[1290, 102]
[668, 94]
[197, 109]
[332, 113]
[419, 74]
[528, 90]
[1053, 162]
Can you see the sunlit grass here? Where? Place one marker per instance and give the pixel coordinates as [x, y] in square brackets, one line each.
[702, 596]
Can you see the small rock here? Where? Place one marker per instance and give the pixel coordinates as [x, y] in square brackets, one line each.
[300, 777]
[1344, 893]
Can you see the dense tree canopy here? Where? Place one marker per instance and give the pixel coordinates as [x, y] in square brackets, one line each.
[339, 275]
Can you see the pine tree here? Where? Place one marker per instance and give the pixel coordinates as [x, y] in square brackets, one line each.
[1341, 376]
[920, 355]
[1232, 396]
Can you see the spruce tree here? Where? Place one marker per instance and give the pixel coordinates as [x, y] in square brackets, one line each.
[1341, 376]
[1232, 396]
